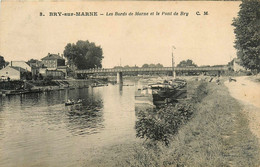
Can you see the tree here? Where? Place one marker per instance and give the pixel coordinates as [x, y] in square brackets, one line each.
[187, 63]
[159, 65]
[2, 62]
[32, 61]
[145, 66]
[84, 55]
[247, 32]
[118, 67]
[152, 65]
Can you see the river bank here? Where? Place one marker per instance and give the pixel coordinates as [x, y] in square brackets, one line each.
[217, 135]
[26, 87]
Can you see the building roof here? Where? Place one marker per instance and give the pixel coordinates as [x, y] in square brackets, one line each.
[37, 64]
[52, 57]
[20, 62]
[16, 68]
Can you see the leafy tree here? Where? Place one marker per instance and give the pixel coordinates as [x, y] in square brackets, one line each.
[247, 31]
[84, 55]
[160, 125]
[152, 65]
[118, 67]
[126, 66]
[145, 66]
[32, 61]
[2, 62]
[187, 63]
[159, 65]
[231, 63]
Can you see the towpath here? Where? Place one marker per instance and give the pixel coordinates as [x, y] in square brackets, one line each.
[248, 93]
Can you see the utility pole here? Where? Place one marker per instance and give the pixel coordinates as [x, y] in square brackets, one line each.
[173, 70]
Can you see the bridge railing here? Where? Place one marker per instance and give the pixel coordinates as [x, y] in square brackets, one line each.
[153, 69]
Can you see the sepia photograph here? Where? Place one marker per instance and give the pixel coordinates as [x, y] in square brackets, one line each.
[129, 83]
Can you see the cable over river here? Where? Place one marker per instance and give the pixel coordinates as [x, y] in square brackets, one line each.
[39, 130]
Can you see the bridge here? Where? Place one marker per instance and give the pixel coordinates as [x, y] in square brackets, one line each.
[119, 71]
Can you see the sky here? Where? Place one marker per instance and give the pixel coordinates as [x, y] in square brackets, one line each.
[135, 40]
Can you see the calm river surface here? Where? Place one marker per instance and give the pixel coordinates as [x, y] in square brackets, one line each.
[39, 130]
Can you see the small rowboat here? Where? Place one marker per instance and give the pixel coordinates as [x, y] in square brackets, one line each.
[70, 103]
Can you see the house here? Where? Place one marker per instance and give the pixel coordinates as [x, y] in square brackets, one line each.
[13, 73]
[21, 64]
[64, 69]
[55, 74]
[36, 65]
[43, 71]
[52, 61]
[236, 65]
[54, 66]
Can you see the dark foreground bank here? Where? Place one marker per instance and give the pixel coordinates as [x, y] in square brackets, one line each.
[216, 134]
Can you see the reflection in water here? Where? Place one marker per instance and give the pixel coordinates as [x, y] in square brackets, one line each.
[85, 118]
[85, 123]
[39, 130]
[120, 89]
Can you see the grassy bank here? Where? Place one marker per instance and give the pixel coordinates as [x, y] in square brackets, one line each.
[217, 135]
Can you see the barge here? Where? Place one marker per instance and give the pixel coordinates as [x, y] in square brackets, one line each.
[162, 93]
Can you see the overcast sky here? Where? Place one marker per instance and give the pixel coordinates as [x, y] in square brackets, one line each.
[206, 39]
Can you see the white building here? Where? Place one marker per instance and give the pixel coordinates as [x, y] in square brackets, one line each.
[14, 73]
[237, 67]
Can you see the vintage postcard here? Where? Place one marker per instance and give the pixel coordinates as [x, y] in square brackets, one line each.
[129, 83]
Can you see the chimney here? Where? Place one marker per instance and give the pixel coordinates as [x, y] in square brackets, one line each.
[58, 54]
[11, 63]
[49, 54]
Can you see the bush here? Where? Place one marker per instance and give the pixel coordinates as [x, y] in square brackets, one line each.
[163, 123]
[158, 125]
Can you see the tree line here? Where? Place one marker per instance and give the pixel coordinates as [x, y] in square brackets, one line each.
[184, 63]
[143, 66]
[247, 33]
[3, 63]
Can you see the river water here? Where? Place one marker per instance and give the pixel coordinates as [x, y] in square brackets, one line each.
[39, 130]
